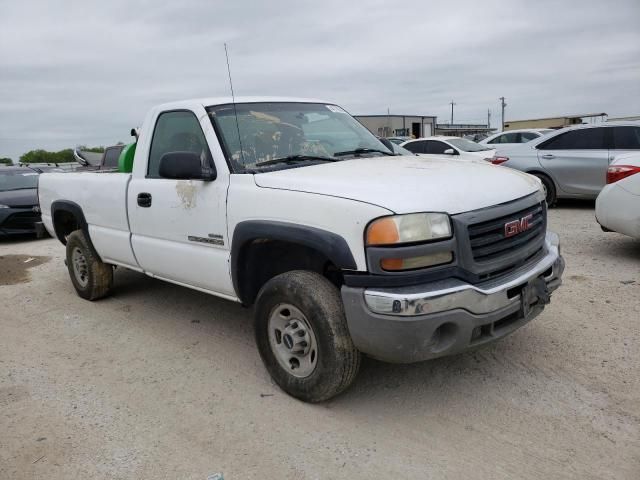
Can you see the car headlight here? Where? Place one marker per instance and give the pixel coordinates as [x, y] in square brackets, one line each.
[4, 206]
[410, 228]
[398, 230]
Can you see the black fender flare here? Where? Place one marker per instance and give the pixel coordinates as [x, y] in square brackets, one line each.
[76, 210]
[330, 244]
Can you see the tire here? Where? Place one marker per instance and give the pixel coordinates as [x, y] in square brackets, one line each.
[308, 308]
[549, 187]
[91, 278]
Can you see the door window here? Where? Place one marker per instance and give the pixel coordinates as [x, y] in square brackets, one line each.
[111, 156]
[416, 147]
[506, 138]
[626, 138]
[177, 132]
[527, 136]
[436, 147]
[581, 139]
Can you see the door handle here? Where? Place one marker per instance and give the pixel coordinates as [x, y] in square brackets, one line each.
[548, 156]
[144, 199]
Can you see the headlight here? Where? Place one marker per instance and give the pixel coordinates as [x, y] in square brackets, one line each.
[4, 206]
[411, 228]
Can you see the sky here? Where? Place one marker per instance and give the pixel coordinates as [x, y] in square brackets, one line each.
[85, 72]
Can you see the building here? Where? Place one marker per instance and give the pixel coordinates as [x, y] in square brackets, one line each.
[554, 122]
[462, 129]
[399, 125]
[632, 118]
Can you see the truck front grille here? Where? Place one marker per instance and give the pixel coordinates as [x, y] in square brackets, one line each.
[489, 240]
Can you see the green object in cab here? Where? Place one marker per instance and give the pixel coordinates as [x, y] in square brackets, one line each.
[125, 161]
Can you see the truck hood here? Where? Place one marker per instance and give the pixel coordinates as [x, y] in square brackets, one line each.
[408, 184]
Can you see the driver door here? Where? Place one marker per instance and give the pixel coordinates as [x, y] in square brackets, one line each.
[179, 227]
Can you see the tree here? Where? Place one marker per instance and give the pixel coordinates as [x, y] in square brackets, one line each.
[6, 161]
[91, 149]
[38, 156]
[62, 156]
[44, 156]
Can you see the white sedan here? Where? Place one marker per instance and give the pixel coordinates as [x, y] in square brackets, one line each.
[514, 137]
[618, 205]
[460, 147]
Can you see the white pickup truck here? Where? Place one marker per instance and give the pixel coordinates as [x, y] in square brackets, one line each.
[342, 247]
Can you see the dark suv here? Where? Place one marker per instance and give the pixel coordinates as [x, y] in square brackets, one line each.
[19, 209]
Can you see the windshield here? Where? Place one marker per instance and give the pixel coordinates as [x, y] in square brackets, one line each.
[467, 145]
[306, 132]
[18, 180]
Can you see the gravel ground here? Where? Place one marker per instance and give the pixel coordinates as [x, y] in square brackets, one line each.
[160, 381]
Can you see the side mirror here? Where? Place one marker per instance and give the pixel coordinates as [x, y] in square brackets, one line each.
[184, 166]
[450, 151]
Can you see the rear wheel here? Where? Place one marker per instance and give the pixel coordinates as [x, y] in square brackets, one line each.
[91, 278]
[549, 189]
[302, 336]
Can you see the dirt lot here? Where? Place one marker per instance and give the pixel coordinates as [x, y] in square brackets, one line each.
[162, 382]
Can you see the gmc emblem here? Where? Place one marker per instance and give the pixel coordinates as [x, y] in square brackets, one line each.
[517, 226]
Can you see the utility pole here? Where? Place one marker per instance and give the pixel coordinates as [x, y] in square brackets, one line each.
[452, 104]
[488, 118]
[502, 104]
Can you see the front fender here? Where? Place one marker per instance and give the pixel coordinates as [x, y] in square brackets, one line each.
[332, 246]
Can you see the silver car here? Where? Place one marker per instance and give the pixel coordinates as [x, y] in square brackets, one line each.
[514, 137]
[572, 162]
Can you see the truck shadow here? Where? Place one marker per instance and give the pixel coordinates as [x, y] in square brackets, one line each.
[432, 385]
[158, 305]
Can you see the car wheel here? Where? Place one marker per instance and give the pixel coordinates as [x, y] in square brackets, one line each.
[549, 189]
[302, 336]
[91, 278]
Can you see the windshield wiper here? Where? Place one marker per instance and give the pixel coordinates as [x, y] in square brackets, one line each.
[359, 151]
[294, 159]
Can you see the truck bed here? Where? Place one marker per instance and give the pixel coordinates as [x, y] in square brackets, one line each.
[103, 197]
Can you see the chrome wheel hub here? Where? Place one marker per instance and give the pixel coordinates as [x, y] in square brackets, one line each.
[80, 267]
[292, 340]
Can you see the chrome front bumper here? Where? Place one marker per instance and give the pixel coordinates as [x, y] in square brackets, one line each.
[413, 324]
[452, 293]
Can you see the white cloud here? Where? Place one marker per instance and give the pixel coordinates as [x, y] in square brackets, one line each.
[87, 72]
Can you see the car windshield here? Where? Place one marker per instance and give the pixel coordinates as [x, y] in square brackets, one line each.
[18, 180]
[296, 133]
[467, 145]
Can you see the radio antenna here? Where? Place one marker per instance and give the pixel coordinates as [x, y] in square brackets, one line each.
[233, 99]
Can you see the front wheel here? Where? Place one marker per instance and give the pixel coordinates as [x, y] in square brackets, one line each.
[302, 336]
[91, 278]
